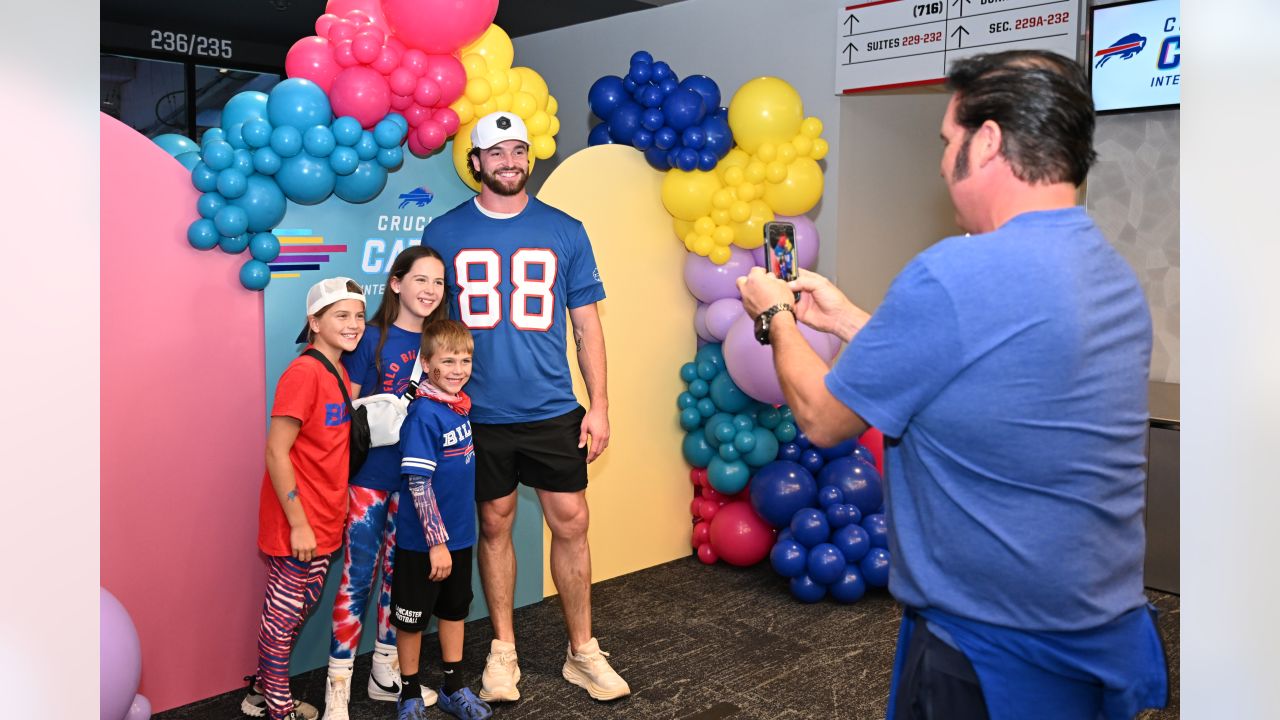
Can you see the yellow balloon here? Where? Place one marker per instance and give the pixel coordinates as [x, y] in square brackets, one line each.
[733, 176]
[776, 171]
[704, 225]
[820, 148]
[494, 46]
[555, 126]
[803, 144]
[523, 104]
[723, 198]
[552, 105]
[532, 83]
[703, 244]
[503, 101]
[749, 235]
[682, 227]
[466, 111]
[786, 153]
[799, 192]
[735, 158]
[754, 172]
[767, 152]
[687, 195]
[497, 81]
[811, 127]
[544, 146]
[740, 211]
[514, 80]
[478, 90]
[766, 109]
[721, 217]
[538, 123]
[723, 235]
[688, 241]
[720, 254]
[475, 65]
[746, 192]
[461, 146]
[486, 107]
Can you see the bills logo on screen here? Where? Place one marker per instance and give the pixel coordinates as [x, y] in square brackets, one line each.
[419, 197]
[1126, 47]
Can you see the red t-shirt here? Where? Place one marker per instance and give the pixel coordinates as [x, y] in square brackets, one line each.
[309, 393]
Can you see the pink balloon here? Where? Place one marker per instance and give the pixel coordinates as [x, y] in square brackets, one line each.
[366, 47]
[427, 93]
[740, 536]
[401, 81]
[371, 8]
[415, 147]
[431, 135]
[415, 61]
[343, 54]
[701, 531]
[707, 555]
[324, 22]
[449, 74]
[448, 120]
[806, 240]
[400, 103]
[700, 323]
[362, 93]
[750, 364]
[721, 315]
[708, 509]
[388, 60]
[342, 29]
[709, 282]
[416, 115]
[312, 58]
[439, 26]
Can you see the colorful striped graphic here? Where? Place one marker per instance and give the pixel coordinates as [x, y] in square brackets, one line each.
[301, 249]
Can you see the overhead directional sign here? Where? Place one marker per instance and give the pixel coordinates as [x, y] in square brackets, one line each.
[883, 44]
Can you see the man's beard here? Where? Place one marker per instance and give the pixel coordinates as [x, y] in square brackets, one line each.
[492, 182]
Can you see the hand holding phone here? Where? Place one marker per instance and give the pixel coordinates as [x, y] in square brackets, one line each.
[781, 256]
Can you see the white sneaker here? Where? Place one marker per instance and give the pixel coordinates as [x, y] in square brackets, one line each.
[501, 673]
[429, 696]
[337, 693]
[384, 676]
[589, 669]
[255, 704]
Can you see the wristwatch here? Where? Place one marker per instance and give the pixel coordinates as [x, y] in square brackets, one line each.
[762, 321]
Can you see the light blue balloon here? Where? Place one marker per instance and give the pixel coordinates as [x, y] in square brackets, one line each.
[242, 108]
[264, 246]
[266, 161]
[176, 144]
[231, 183]
[367, 148]
[256, 133]
[231, 221]
[235, 137]
[255, 275]
[362, 185]
[203, 234]
[211, 135]
[347, 130]
[306, 180]
[263, 203]
[398, 119]
[318, 141]
[391, 158]
[204, 178]
[387, 133]
[234, 245]
[286, 141]
[243, 161]
[344, 160]
[219, 155]
[188, 159]
[209, 204]
[298, 103]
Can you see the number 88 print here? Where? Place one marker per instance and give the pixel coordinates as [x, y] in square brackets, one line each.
[479, 273]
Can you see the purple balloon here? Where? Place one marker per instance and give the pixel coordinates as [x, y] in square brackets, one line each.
[750, 364]
[120, 654]
[806, 242]
[140, 709]
[709, 282]
[721, 315]
[700, 323]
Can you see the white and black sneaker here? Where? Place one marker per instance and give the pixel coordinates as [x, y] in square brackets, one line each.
[384, 675]
[255, 704]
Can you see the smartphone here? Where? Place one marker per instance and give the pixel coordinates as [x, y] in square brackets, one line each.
[780, 254]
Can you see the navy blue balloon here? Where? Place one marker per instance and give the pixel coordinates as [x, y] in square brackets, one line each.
[707, 161]
[638, 93]
[875, 567]
[812, 460]
[669, 85]
[878, 528]
[861, 452]
[693, 137]
[641, 56]
[825, 563]
[657, 158]
[809, 527]
[640, 72]
[842, 514]
[642, 140]
[805, 590]
[849, 587]
[599, 135]
[789, 452]
[788, 558]
[628, 85]
[784, 534]
[830, 495]
[802, 440]
[624, 122]
[650, 96]
[860, 483]
[652, 119]
[838, 450]
[719, 136]
[661, 71]
[683, 108]
[721, 113]
[605, 95]
[686, 159]
[664, 138]
[704, 86]
[781, 488]
[853, 542]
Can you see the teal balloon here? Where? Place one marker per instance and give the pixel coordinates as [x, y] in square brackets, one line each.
[234, 245]
[266, 161]
[231, 221]
[688, 372]
[726, 395]
[219, 155]
[286, 141]
[344, 160]
[711, 430]
[367, 148]
[388, 134]
[347, 130]
[256, 133]
[690, 419]
[175, 144]
[362, 185]
[391, 158]
[243, 161]
[744, 441]
[255, 275]
[706, 408]
[318, 141]
[743, 421]
[711, 354]
[298, 103]
[235, 137]
[725, 432]
[769, 418]
[707, 371]
[243, 107]
[728, 452]
[203, 234]
[204, 178]
[211, 135]
[685, 400]
[398, 119]
[727, 476]
[209, 204]
[264, 246]
[765, 450]
[188, 159]
[231, 183]
[699, 388]
[306, 180]
[695, 449]
[263, 203]
[785, 432]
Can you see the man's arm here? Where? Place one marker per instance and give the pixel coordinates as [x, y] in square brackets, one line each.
[588, 339]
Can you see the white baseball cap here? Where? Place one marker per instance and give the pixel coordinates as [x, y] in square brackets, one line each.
[329, 291]
[498, 127]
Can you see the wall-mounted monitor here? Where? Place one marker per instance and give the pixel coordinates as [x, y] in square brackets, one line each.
[1135, 55]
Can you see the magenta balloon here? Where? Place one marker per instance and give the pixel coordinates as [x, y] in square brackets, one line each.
[439, 26]
[312, 58]
[121, 659]
[739, 536]
[372, 8]
[449, 74]
[362, 93]
[721, 315]
[709, 282]
[807, 243]
[700, 323]
[750, 364]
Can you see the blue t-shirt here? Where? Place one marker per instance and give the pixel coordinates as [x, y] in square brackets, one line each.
[381, 468]
[512, 281]
[1009, 371]
[437, 444]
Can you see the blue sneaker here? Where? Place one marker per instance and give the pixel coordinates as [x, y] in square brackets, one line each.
[412, 710]
[465, 705]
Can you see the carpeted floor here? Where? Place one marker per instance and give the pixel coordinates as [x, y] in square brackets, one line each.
[695, 643]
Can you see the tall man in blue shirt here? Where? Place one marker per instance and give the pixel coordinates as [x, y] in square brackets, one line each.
[520, 272]
[1008, 370]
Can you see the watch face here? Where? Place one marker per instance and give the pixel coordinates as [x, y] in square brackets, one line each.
[762, 329]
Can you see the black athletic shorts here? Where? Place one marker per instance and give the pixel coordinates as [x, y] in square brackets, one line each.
[938, 682]
[542, 454]
[415, 598]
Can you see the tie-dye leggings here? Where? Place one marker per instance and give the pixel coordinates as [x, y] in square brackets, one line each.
[371, 537]
[293, 588]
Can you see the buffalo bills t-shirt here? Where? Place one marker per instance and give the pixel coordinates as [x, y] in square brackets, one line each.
[437, 444]
[381, 469]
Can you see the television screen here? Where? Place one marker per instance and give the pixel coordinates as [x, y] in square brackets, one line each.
[1135, 55]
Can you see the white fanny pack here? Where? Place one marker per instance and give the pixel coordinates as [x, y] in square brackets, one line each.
[385, 412]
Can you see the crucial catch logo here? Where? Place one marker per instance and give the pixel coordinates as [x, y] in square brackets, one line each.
[418, 197]
[1126, 47]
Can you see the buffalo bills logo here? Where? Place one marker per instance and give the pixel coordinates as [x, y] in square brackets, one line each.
[418, 196]
[1126, 47]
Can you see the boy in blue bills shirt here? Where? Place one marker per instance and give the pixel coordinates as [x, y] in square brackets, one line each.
[436, 523]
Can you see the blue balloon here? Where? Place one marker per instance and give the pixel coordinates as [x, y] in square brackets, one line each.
[710, 353]
[693, 137]
[669, 85]
[203, 234]
[306, 180]
[398, 119]
[875, 567]
[599, 135]
[721, 113]
[231, 183]
[728, 477]
[367, 147]
[204, 178]
[862, 453]
[266, 161]
[641, 56]
[688, 372]
[255, 275]
[825, 563]
[784, 534]
[347, 131]
[264, 246]
[256, 133]
[829, 495]
[231, 221]
[811, 460]
[789, 451]
[687, 159]
[652, 119]
[298, 103]
[624, 122]
[788, 558]
[842, 514]
[211, 135]
[235, 137]
[706, 408]
[727, 396]
[640, 72]
[802, 440]
[673, 157]
[705, 87]
[743, 421]
[243, 107]
[765, 450]
[242, 160]
[286, 141]
[389, 158]
[219, 155]
[878, 529]
[809, 526]
[188, 160]
[805, 590]
[860, 483]
[605, 95]
[388, 134]
[843, 449]
[707, 161]
[719, 138]
[344, 160]
[690, 419]
[318, 141]
[629, 85]
[263, 202]
[744, 442]
[853, 542]
[695, 449]
[657, 158]
[650, 96]
[664, 138]
[780, 489]
[362, 185]
[209, 204]
[849, 587]
[683, 108]
[642, 140]
[661, 71]
[175, 144]
[234, 245]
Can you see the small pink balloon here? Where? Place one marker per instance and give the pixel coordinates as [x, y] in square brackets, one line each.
[388, 60]
[367, 29]
[448, 120]
[372, 10]
[342, 30]
[366, 48]
[312, 58]
[427, 92]
[431, 134]
[324, 22]
[402, 81]
[721, 315]
[394, 43]
[415, 61]
[415, 147]
[449, 74]
[416, 115]
[708, 509]
[362, 93]
[439, 26]
[707, 555]
[343, 55]
[711, 493]
[401, 103]
[701, 532]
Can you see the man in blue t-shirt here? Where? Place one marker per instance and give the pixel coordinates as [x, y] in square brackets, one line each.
[1007, 369]
[520, 273]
